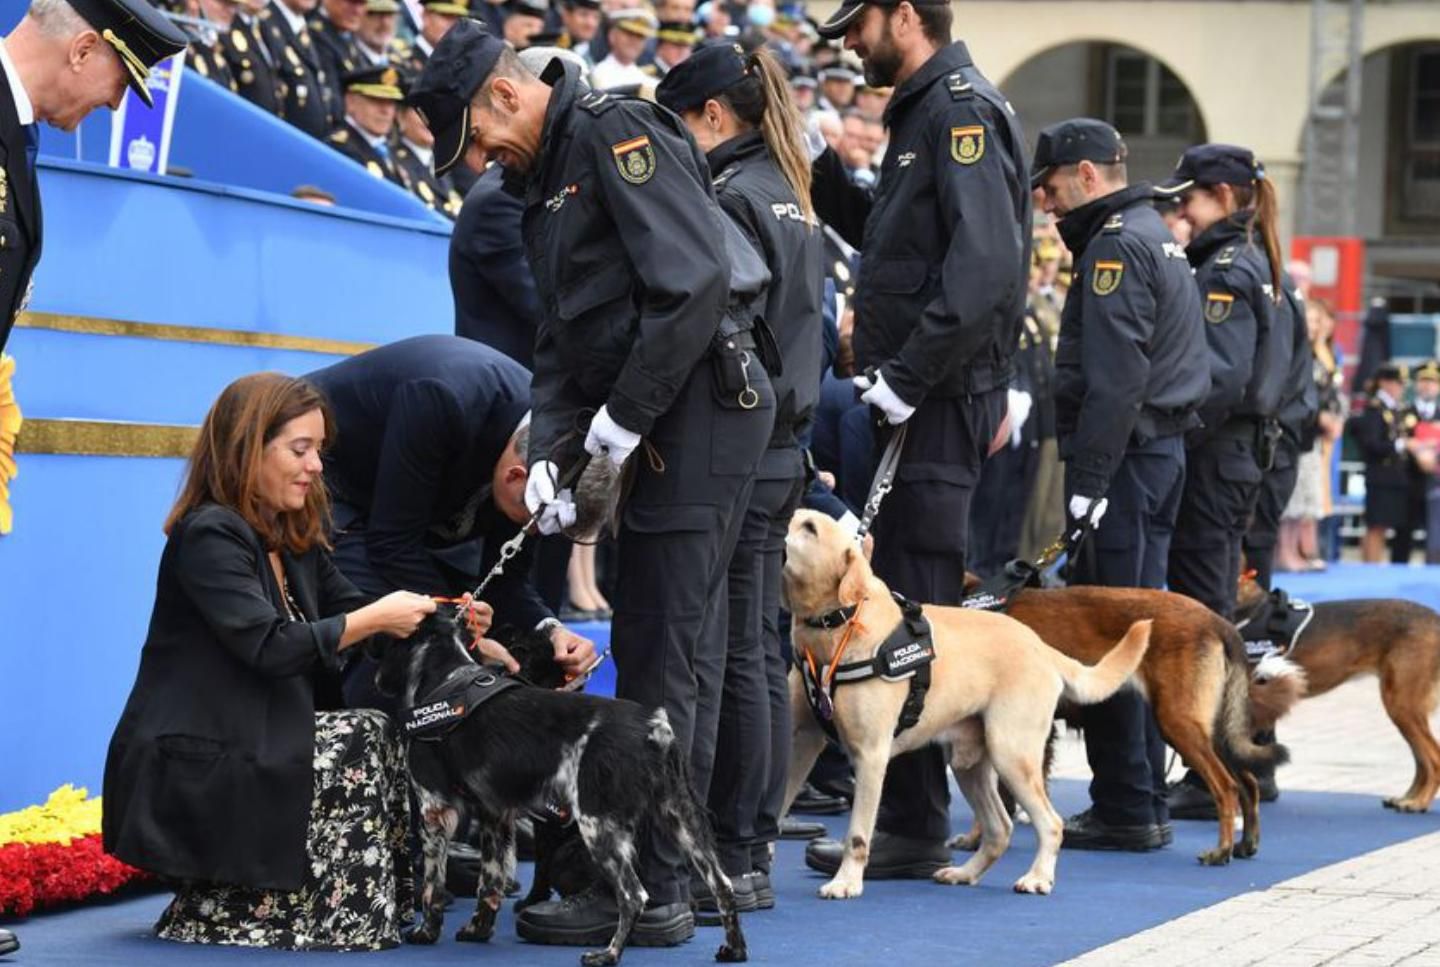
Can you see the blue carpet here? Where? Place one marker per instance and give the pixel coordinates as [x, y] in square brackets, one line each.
[1099, 898]
[1419, 583]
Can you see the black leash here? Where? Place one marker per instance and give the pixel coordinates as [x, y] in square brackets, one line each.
[884, 480]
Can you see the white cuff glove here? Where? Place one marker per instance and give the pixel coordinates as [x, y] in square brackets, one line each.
[1020, 403]
[850, 524]
[879, 394]
[608, 437]
[1088, 508]
[814, 139]
[559, 507]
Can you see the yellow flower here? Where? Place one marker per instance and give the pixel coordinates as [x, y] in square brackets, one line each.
[10, 421]
[68, 814]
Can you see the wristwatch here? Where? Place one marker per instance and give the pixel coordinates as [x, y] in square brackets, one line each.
[548, 625]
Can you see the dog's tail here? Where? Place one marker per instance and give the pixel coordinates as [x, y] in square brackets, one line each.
[1276, 685]
[1236, 726]
[1088, 684]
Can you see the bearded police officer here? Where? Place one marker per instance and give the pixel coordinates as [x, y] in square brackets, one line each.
[1126, 389]
[63, 60]
[944, 242]
[628, 250]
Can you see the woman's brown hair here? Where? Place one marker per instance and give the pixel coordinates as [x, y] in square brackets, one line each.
[224, 466]
[1259, 197]
[761, 99]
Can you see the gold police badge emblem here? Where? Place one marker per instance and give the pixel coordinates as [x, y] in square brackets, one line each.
[375, 169]
[1218, 306]
[635, 159]
[1106, 278]
[967, 144]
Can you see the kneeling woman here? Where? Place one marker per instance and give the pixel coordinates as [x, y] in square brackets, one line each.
[282, 820]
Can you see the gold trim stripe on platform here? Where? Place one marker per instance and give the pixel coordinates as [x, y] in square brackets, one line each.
[200, 334]
[105, 438]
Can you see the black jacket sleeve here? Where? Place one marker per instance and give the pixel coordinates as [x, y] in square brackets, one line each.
[668, 225]
[1118, 327]
[840, 203]
[220, 567]
[977, 211]
[1232, 341]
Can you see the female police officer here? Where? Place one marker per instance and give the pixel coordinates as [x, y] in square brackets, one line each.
[740, 112]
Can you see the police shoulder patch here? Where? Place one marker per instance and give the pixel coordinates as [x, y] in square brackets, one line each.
[1106, 277]
[1114, 223]
[1226, 256]
[1218, 306]
[967, 144]
[635, 159]
[959, 87]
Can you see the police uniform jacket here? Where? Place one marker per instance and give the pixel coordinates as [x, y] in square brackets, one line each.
[1131, 338]
[1378, 431]
[337, 52]
[1300, 402]
[256, 78]
[627, 247]
[434, 191]
[208, 775]
[946, 234]
[310, 102]
[1248, 333]
[752, 191]
[490, 279]
[20, 228]
[353, 144]
[423, 422]
[208, 61]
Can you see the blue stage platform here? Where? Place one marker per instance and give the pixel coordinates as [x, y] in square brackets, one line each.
[1099, 898]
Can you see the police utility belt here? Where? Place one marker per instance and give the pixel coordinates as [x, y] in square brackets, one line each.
[453, 701]
[906, 653]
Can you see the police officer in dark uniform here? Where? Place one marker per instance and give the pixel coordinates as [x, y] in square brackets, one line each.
[332, 25]
[257, 75]
[938, 304]
[1226, 197]
[137, 37]
[1299, 407]
[643, 325]
[372, 95]
[1126, 390]
[1380, 434]
[208, 60]
[723, 97]
[310, 103]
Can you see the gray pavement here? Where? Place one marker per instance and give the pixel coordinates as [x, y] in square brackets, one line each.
[1376, 910]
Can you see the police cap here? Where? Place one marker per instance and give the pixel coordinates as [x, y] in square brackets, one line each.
[1389, 371]
[380, 81]
[140, 35]
[1213, 164]
[712, 69]
[1430, 369]
[462, 60]
[1073, 141]
[532, 8]
[841, 19]
[382, 6]
[450, 8]
[676, 32]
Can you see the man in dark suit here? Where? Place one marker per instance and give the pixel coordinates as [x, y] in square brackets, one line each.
[256, 73]
[371, 98]
[309, 103]
[494, 289]
[427, 477]
[62, 61]
[333, 24]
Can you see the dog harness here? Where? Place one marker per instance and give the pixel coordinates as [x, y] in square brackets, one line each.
[907, 652]
[1275, 628]
[448, 704]
[994, 593]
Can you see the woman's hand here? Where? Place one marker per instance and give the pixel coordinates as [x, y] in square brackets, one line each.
[399, 613]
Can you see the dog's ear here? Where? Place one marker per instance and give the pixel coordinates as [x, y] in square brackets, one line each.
[856, 578]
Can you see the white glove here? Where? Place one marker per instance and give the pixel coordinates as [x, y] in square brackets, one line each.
[1088, 508]
[559, 508]
[608, 437]
[814, 139]
[880, 394]
[1019, 402]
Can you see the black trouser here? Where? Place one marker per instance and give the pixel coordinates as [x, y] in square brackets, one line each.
[677, 533]
[1275, 490]
[1222, 482]
[997, 515]
[752, 745]
[1129, 550]
[920, 536]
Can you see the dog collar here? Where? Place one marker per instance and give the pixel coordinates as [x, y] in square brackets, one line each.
[831, 619]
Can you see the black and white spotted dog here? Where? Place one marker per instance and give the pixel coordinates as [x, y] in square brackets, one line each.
[609, 765]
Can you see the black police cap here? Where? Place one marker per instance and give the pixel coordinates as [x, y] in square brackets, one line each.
[1213, 164]
[460, 63]
[841, 19]
[380, 81]
[1392, 370]
[1430, 369]
[1073, 141]
[710, 70]
[140, 35]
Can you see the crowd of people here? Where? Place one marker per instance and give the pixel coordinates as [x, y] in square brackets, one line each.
[704, 274]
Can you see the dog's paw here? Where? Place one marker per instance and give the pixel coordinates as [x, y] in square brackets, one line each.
[1403, 805]
[966, 842]
[425, 934]
[838, 889]
[731, 955]
[957, 876]
[1245, 851]
[474, 932]
[599, 958]
[1038, 885]
[1219, 856]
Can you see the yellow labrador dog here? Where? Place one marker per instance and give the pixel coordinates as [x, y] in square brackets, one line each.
[994, 687]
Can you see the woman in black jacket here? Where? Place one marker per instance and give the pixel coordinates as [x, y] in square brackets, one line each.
[739, 110]
[282, 821]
